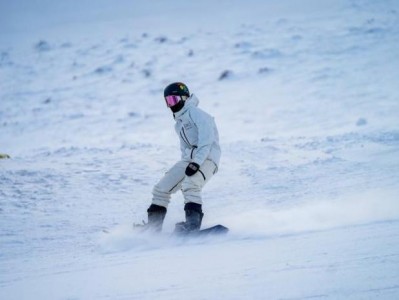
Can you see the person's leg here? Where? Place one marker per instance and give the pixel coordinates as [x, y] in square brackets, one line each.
[192, 185]
[192, 188]
[169, 184]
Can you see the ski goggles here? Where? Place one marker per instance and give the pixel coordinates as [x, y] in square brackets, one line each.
[172, 100]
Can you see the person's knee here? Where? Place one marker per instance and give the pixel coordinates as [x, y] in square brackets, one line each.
[193, 182]
[159, 190]
[188, 189]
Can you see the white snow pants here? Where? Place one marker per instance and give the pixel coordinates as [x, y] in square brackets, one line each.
[176, 179]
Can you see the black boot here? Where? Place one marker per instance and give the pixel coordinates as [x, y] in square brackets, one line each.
[193, 222]
[156, 215]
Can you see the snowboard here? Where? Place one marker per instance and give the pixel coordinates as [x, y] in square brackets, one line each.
[210, 231]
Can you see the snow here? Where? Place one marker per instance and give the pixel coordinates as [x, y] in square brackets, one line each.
[305, 97]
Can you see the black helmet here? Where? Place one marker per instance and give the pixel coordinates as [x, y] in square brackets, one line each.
[177, 89]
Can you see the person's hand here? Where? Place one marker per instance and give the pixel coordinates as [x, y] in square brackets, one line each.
[192, 168]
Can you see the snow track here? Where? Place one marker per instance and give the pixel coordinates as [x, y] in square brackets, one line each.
[305, 97]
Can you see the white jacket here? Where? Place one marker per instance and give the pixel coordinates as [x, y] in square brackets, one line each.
[199, 137]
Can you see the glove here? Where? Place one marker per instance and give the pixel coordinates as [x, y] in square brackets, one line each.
[192, 168]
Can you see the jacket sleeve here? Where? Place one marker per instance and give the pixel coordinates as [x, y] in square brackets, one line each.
[206, 135]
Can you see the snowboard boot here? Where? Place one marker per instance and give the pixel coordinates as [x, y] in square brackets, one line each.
[193, 222]
[156, 215]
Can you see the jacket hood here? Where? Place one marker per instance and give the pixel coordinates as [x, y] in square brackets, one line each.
[190, 102]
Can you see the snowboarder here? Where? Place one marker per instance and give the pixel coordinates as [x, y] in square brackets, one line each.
[200, 155]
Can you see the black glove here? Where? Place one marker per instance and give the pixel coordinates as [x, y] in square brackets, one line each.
[192, 168]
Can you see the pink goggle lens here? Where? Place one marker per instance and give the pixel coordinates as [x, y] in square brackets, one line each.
[172, 100]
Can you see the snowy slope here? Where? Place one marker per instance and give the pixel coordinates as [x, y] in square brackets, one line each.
[305, 97]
